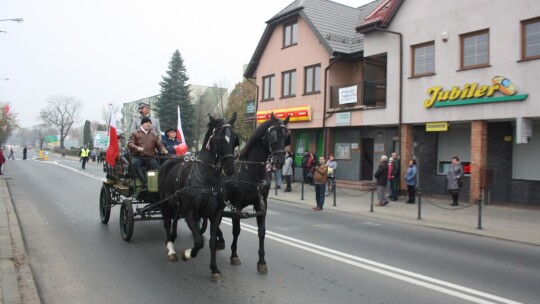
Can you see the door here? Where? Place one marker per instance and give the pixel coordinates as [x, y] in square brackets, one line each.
[366, 155]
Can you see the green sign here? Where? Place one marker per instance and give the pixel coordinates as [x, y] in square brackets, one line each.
[51, 138]
[250, 107]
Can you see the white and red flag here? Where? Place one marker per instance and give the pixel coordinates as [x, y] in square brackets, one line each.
[112, 150]
[179, 132]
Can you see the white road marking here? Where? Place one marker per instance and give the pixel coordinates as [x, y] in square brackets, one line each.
[73, 169]
[387, 270]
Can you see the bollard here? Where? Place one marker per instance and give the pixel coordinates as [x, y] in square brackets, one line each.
[480, 211]
[372, 196]
[419, 192]
[302, 198]
[334, 189]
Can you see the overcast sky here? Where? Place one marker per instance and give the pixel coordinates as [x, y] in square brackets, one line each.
[116, 51]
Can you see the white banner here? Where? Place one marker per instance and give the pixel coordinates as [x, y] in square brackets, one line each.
[348, 95]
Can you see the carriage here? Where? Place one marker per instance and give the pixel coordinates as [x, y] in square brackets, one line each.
[138, 200]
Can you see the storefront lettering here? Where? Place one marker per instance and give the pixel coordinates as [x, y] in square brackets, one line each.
[473, 93]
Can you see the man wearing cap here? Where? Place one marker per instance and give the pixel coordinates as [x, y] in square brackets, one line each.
[170, 141]
[144, 111]
[142, 144]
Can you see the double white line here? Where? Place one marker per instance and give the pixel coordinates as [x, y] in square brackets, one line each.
[394, 272]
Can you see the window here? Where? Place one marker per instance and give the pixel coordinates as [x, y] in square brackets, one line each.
[268, 87]
[475, 49]
[290, 33]
[423, 59]
[288, 83]
[313, 79]
[530, 39]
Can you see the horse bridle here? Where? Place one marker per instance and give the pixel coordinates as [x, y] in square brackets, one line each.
[215, 131]
[271, 135]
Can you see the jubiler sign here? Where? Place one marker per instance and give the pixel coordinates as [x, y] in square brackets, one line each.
[473, 93]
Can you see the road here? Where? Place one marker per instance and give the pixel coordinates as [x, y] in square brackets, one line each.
[313, 257]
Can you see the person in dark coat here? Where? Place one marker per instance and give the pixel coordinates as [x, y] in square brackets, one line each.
[24, 152]
[382, 179]
[2, 159]
[170, 141]
[455, 173]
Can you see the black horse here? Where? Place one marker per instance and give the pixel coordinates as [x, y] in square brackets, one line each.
[251, 182]
[193, 188]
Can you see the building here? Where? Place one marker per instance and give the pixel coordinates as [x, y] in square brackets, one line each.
[429, 81]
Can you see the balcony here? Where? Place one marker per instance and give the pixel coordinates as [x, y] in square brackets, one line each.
[369, 94]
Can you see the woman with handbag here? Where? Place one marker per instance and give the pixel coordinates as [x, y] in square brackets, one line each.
[453, 179]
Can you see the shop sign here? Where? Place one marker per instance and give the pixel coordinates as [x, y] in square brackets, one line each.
[250, 107]
[473, 93]
[441, 126]
[298, 114]
[348, 95]
[343, 119]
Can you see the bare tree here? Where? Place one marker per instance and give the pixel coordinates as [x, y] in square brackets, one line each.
[61, 112]
[202, 106]
[106, 113]
[38, 133]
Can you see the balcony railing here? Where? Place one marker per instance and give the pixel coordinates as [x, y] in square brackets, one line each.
[368, 94]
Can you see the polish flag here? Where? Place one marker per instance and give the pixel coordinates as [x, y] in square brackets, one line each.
[113, 150]
[179, 132]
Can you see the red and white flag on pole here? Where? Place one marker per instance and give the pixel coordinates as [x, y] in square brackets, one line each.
[112, 150]
[179, 132]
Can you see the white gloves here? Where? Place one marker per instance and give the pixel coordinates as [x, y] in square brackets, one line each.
[140, 149]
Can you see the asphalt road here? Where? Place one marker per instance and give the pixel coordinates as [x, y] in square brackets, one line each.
[313, 257]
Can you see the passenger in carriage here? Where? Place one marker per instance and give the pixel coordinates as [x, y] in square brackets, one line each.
[142, 144]
[170, 141]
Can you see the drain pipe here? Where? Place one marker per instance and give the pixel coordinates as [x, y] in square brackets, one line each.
[400, 81]
[325, 98]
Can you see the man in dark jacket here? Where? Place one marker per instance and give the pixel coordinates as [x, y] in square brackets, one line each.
[382, 179]
[396, 173]
[142, 144]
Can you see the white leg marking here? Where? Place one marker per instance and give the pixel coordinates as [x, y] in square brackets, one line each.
[187, 254]
[170, 246]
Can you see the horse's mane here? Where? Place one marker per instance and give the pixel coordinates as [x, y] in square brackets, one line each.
[255, 138]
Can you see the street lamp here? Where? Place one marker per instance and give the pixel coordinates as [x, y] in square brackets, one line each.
[18, 20]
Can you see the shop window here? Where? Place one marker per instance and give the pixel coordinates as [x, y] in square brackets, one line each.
[290, 33]
[288, 84]
[530, 39]
[423, 59]
[312, 79]
[475, 49]
[455, 142]
[268, 87]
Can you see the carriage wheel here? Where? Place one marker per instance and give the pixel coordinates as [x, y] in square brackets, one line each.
[105, 204]
[126, 220]
[202, 224]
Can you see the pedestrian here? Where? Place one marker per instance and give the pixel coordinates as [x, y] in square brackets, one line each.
[381, 175]
[396, 168]
[170, 141]
[410, 180]
[320, 178]
[24, 152]
[305, 171]
[453, 178]
[11, 154]
[144, 111]
[391, 180]
[287, 170]
[84, 156]
[2, 159]
[311, 165]
[93, 155]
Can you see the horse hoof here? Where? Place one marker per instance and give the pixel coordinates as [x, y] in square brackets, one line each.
[262, 269]
[186, 255]
[216, 277]
[173, 258]
[220, 246]
[235, 261]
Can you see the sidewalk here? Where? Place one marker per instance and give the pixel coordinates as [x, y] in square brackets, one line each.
[508, 222]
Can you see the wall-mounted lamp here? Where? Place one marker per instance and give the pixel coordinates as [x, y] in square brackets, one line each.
[444, 36]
